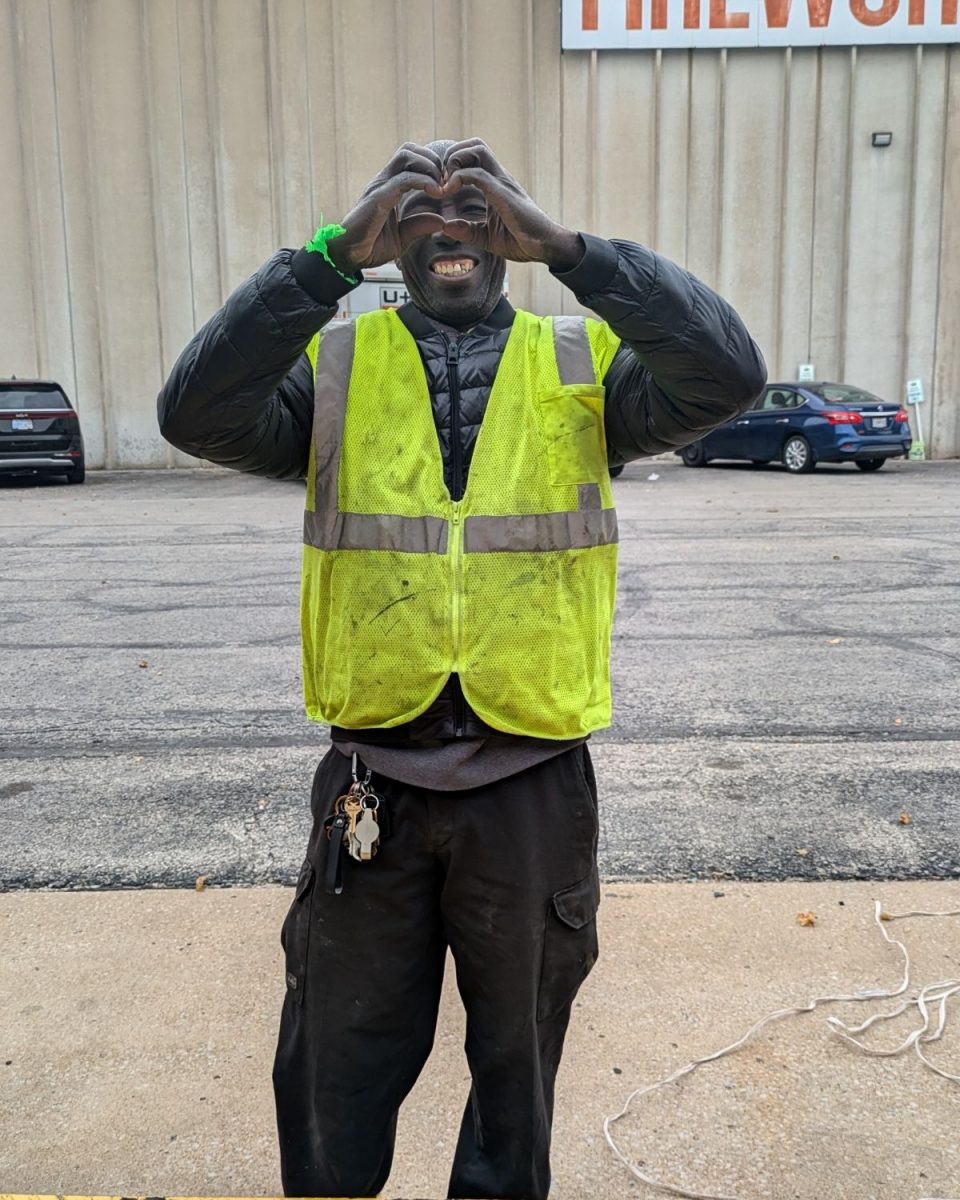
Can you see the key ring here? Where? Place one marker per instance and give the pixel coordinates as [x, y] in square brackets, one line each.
[366, 782]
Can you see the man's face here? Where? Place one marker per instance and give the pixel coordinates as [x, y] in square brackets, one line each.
[450, 280]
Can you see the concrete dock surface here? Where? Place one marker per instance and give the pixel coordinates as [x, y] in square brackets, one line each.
[137, 1031]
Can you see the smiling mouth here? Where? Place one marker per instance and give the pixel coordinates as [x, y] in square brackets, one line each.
[452, 268]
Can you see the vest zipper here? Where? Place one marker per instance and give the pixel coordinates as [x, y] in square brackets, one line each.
[453, 382]
[456, 529]
[456, 612]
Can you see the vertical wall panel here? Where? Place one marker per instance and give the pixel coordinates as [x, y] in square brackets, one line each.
[545, 185]
[498, 88]
[578, 163]
[927, 182]
[367, 125]
[46, 247]
[290, 142]
[416, 53]
[450, 70]
[876, 253]
[830, 213]
[497, 79]
[626, 146]
[202, 209]
[171, 249]
[945, 439]
[17, 301]
[673, 190]
[800, 186]
[157, 153]
[705, 164]
[114, 101]
[71, 130]
[238, 65]
[750, 214]
[327, 151]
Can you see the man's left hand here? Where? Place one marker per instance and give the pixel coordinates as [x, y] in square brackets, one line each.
[515, 227]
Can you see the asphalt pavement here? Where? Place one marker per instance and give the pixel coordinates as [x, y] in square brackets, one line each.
[785, 678]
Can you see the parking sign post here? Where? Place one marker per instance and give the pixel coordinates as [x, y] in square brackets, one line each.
[915, 397]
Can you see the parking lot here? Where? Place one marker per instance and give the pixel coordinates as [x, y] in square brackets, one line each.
[786, 656]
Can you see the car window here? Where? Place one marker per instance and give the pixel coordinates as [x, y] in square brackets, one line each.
[23, 399]
[780, 398]
[839, 393]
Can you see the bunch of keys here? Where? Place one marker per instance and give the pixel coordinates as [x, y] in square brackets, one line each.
[359, 806]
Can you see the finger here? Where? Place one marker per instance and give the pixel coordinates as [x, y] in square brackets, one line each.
[410, 158]
[391, 190]
[425, 152]
[498, 197]
[473, 153]
[412, 229]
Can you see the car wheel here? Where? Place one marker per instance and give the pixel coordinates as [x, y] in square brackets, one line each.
[694, 455]
[870, 464]
[797, 455]
[615, 471]
[78, 474]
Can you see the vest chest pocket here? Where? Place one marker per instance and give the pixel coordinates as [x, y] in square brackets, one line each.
[572, 420]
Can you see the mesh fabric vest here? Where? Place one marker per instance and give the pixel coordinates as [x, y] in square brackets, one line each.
[513, 587]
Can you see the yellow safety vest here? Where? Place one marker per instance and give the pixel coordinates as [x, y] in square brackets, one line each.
[513, 587]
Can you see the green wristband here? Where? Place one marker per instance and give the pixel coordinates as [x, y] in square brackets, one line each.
[318, 245]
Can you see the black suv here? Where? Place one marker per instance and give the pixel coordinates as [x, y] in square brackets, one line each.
[39, 430]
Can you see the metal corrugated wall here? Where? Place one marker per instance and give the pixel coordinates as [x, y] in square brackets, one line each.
[155, 151]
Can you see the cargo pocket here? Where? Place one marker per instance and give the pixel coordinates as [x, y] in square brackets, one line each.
[569, 945]
[295, 933]
[572, 419]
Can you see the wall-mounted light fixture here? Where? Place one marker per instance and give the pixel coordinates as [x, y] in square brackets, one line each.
[881, 139]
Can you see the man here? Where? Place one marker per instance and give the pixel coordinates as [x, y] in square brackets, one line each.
[458, 590]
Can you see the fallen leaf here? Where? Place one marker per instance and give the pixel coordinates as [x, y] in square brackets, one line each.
[898, 720]
[201, 882]
[906, 819]
[835, 641]
[773, 510]
[804, 851]
[143, 663]
[885, 916]
[836, 558]
[806, 918]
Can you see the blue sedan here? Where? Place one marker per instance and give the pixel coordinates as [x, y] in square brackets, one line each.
[803, 424]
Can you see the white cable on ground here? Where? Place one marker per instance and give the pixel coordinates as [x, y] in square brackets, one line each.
[931, 998]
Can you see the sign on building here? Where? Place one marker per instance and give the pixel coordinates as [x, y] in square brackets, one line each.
[665, 24]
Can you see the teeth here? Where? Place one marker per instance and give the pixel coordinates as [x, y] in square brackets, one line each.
[460, 267]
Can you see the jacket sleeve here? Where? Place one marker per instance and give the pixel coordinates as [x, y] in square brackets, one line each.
[686, 362]
[241, 393]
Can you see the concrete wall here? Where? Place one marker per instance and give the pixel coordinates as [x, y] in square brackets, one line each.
[155, 151]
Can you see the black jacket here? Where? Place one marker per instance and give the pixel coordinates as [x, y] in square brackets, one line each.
[241, 393]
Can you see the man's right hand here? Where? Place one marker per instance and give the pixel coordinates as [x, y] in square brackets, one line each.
[374, 234]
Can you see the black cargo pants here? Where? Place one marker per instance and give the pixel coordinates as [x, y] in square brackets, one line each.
[504, 875]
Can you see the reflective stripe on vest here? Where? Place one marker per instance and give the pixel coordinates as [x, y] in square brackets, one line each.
[512, 587]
